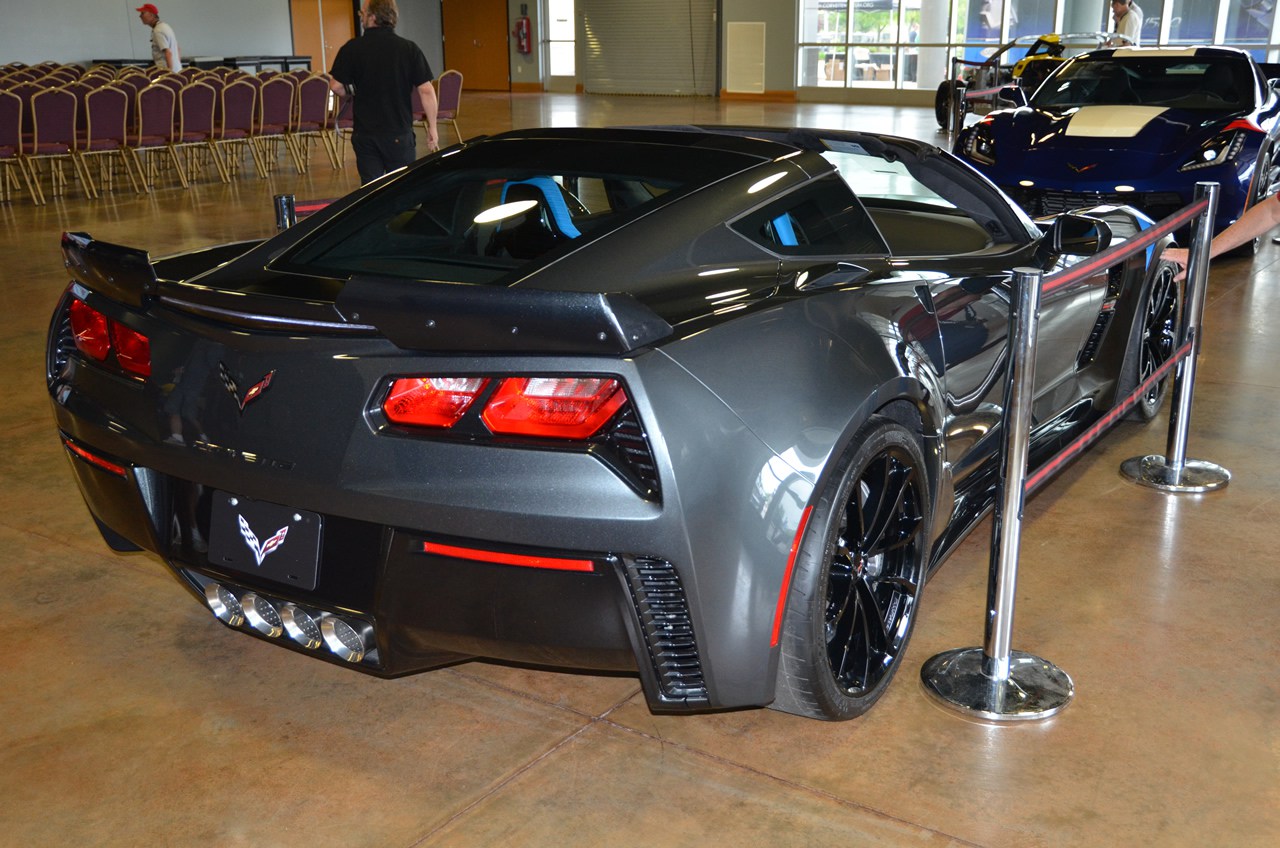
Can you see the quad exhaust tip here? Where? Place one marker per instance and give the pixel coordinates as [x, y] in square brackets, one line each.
[351, 640]
[224, 604]
[348, 641]
[301, 627]
[262, 615]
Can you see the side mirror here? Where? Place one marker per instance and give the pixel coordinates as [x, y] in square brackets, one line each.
[1011, 96]
[1077, 235]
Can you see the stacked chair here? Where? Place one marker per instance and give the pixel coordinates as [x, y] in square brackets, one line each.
[105, 127]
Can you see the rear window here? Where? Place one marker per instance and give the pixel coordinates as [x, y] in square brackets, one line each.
[1179, 82]
[479, 214]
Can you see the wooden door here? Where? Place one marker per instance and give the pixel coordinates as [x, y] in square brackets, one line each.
[475, 42]
[320, 28]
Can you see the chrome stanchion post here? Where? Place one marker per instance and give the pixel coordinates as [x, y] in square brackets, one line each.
[995, 682]
[286, 211]
[956, 107]
[1173, 472]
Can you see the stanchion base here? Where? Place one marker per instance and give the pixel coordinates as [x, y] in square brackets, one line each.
[1036, 688]
[1154, 472]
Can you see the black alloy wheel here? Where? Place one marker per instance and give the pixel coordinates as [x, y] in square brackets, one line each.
[857, 579]
[1153, 341]
[943, 102]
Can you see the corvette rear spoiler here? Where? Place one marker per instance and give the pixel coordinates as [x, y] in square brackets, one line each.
[121, 273]
[417, 315]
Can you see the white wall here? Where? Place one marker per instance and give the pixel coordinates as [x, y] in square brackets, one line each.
[81, 30]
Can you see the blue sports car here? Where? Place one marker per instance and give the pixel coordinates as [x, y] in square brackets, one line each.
[1136, 126]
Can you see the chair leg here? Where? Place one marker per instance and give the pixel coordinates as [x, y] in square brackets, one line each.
[33, 185]
[177, 165]
[217, 161]
[81, 167]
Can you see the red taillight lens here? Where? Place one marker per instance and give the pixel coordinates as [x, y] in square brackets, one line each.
[431, 401]
[133, 350]
[96, 336]
[89, 327]
[553, 407]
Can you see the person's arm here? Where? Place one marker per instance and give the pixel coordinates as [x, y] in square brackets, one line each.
[427, 92]
[1257, 220]
[337, 87]
[168, 59]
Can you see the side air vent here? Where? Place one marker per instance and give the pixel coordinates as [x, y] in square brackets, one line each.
[64, 342]
[631, 447]
[668, 631]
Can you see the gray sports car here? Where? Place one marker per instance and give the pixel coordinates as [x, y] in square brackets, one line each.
[703, 404]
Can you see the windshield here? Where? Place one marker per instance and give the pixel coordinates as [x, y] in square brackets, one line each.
[1178, 82]
[476, 215]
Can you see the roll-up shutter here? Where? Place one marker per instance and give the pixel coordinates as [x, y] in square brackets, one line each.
[649, 47]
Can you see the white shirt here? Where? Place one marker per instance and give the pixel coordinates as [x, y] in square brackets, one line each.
[162, 38]
[1131, 25]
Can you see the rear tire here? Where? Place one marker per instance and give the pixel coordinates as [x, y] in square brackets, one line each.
[1153, 339]
[942, 101]
[857, 578]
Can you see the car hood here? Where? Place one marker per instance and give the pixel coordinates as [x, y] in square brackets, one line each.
[1126, 143]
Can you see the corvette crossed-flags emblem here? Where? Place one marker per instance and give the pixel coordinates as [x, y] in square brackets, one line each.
[256, 389]
[260, 551]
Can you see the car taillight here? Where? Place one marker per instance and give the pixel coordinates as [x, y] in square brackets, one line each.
[431, 401]
[553, 407]
[97, 336]
[89, 328]
[133, 350]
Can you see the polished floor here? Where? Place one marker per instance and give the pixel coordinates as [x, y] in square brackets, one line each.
[130, 717]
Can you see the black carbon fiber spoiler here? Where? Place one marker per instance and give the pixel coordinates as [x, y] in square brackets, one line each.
[121, 273]
[417, 315]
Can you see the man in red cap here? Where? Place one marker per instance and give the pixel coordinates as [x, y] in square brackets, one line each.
[164, 44]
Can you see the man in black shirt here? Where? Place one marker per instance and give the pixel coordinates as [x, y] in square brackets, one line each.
[381, 70]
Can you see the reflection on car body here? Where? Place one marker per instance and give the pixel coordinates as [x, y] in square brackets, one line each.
[703, 404]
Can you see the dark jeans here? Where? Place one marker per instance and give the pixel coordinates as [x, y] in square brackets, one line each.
[378, 154]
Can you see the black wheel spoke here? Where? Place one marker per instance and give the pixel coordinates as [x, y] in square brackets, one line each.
[881, 532]
[874, 572]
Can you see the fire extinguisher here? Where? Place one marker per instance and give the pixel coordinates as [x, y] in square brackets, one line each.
[523, 31]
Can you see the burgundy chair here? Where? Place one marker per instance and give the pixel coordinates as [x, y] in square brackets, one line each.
[275, 118]
[105, 137]
[340, 124]
[154, 131]
[11, 157]
[234, 126]
[313, 119]
[449, 99]
[171, 80]
[53, 139]
[195, 132]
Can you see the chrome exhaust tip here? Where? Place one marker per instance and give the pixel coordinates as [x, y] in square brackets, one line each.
[262, 615]
[301, 626]
[225, 605]
[349, 641]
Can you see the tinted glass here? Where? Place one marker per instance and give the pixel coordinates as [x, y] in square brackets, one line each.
[479, 214]
[1196, 83]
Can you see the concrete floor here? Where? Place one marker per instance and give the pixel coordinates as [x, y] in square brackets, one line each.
[129, 716]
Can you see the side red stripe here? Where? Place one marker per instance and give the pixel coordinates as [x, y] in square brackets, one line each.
[553, 563]
[786, 576]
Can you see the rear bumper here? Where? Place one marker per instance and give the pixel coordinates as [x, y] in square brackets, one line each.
[420, 608]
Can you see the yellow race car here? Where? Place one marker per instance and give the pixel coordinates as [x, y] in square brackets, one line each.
[978, 82]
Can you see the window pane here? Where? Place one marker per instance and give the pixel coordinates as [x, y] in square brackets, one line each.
[1249, 21]
[560, 58]
[560, 17]
[1192, 21]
